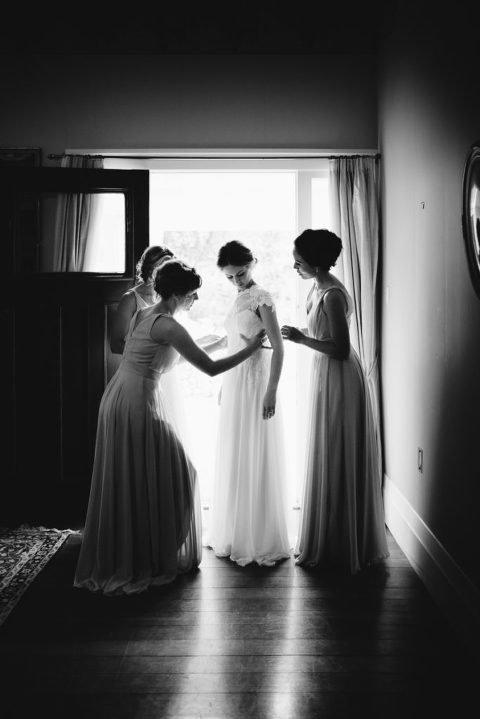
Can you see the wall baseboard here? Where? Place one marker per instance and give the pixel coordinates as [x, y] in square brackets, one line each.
[456, 596]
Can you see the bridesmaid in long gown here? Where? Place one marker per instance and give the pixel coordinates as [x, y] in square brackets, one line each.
[143, 523]
[249, 519]
[342, 518]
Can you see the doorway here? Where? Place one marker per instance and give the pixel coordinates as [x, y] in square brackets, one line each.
[195, 212]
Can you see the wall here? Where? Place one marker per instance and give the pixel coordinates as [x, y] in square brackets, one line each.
[429, 115]
[141, 101]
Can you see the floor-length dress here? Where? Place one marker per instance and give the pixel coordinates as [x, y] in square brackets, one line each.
[249, 519]
[342, 517]
[143, 523]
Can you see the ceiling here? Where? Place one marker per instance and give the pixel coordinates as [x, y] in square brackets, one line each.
[241, 27]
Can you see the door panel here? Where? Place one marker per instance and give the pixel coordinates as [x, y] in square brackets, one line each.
[37, 399]
[55, 358]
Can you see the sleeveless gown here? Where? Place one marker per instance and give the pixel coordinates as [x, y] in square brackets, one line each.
[342, 518]
[170, 384]
[143, 523]
[249, 518]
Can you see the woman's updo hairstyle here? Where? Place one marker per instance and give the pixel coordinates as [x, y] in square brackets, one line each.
[320, 248]
[148, 261]
[176, 278]
[234, 253]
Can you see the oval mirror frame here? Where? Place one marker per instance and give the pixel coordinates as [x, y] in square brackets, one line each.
[471, 213]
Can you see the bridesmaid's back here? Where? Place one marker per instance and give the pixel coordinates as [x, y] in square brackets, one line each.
[142, 352]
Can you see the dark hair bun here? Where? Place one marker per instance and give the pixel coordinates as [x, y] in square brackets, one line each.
[176, 278]
[320, 248]
[234, 253]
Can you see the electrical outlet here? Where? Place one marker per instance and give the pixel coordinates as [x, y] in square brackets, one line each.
[420, 459]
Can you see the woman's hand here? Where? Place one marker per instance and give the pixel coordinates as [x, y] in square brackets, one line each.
[292, 333]
[256, 341]
[269, 402]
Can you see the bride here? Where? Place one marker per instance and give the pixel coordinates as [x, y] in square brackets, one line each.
[249, 521]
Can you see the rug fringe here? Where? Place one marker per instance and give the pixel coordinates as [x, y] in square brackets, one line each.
[41, 528]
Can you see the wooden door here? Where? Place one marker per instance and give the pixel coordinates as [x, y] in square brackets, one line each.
[55, 358]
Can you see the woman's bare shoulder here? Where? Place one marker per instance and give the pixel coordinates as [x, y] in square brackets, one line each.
[165, 322]
[127, 299]
[335, 296]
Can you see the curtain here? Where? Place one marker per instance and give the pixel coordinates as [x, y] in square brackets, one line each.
[354, 205]
[73, 216]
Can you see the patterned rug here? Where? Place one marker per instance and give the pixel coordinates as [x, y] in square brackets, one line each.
[23, 554]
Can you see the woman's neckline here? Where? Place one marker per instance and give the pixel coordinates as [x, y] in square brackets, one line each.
[138, 322]
[251, 284]
[318, 288]
[151, 297]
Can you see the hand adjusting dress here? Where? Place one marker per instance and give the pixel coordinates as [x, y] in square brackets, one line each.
[249, 498]
[143, 523]
[342, 521]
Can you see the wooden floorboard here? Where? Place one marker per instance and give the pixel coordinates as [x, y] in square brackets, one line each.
[229, 642]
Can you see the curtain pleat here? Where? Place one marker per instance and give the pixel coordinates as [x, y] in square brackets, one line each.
[355, 218]
[72, 220]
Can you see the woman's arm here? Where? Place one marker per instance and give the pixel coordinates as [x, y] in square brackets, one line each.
[209, 344]
[121, 322]
[270, 322]
[166, 329]
[338, 346]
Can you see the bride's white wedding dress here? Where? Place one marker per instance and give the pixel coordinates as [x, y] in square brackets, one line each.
[249, 519]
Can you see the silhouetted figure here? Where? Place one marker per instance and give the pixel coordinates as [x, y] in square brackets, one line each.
[143, 523]
[342, 518]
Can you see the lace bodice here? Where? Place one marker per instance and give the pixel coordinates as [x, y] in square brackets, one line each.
[242, 317]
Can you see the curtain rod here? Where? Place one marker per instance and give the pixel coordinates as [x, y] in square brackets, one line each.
[376, 155]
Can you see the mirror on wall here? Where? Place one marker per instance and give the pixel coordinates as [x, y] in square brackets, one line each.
[70, 232]
[471, 213]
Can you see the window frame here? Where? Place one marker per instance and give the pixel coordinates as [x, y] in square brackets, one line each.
[33, 182]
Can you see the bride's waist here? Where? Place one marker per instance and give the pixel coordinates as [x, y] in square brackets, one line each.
[257, 359]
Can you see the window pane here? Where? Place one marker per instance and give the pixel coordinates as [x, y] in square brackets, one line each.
[221, 201]
[105, 250]
[320, 203]
[59, 232]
